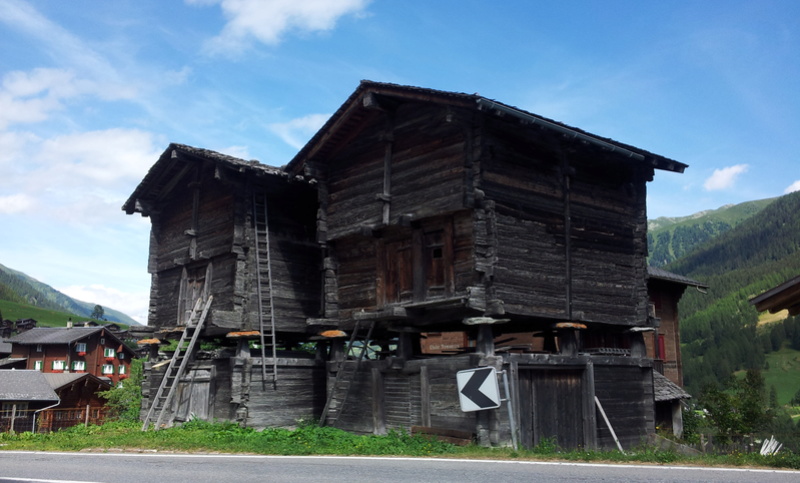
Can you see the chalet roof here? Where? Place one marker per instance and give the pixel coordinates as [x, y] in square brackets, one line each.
[656, 273]
[64, 335]
[177, 160]
[9, 361]
[5, 347]
[60, 380]
[666, 390]
[53, 335]
[370, 93]
[23, 385]
[785, 296]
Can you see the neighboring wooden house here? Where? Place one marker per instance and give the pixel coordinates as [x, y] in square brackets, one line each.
[21, 325]
[23, 394]
[664, 345]
[79, 403]
[243, 233]
[785, 296]
[92, 350]
[420, 211]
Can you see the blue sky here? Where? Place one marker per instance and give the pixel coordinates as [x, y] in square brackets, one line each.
[91, 92]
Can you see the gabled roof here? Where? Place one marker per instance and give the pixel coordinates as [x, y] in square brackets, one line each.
[656, 273]
[57, 381]
[53, 335]
[785, 296]
[65, 335]
[666, 390]
[373, 94]
[23, 385]
[176, 162]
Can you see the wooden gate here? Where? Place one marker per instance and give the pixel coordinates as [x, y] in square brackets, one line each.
[556, 408]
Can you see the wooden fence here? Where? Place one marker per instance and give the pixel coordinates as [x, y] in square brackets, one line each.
[48, 420]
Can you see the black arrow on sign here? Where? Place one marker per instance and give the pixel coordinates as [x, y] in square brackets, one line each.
[472, 389]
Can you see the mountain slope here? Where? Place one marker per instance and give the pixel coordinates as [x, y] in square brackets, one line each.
[18, 287]
[719, 329]
[669, 239]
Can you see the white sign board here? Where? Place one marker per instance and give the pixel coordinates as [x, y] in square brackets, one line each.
[478, 389]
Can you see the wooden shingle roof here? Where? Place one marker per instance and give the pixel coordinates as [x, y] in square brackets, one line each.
[666, 390]
[785, 296]
[372, 94]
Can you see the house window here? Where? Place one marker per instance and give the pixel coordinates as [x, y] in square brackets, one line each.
[108, 352]
[418, 266]
[8, 408]
[108, 369]
[78, 365]
[37, 365]
[80, 347]
[122, 369]
[38, 347]
[122, 355]
[102, 340]
[59, 365]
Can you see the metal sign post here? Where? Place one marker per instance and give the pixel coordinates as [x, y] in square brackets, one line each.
[478, 390]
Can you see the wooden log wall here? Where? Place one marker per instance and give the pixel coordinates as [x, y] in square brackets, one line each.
[298, 396]
[626, 393]
[421, 392]
[427, 170]
[295, 259]
[231, 389]
[525, 174]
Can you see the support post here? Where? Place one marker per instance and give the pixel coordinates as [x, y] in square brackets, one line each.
[511, 421]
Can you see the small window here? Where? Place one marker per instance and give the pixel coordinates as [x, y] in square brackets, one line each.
[59, 365]
[8, 409]
[38, 347]
[80, 347]
[122, 369]
[102, 340]
[37, 365]
[122, 355]
[78, 365]
[108, 369]
[107, 352]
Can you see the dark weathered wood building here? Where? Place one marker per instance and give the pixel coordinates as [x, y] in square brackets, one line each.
[415, 211]
[243, 233]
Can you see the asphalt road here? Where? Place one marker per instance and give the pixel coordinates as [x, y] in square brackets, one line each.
[148, 467]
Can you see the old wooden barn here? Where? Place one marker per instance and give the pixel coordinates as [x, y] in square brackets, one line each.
[415, 213]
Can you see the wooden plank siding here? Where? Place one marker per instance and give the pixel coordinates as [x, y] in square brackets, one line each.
[626, 393]
[603, 279]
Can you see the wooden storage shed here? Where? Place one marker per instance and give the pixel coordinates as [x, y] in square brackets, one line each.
[242, 233]
[449, 212]
[412, 212]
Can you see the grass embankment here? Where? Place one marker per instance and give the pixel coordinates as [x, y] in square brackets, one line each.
[199, 436]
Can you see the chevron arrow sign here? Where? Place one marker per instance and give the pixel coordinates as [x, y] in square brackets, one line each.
[478, 389]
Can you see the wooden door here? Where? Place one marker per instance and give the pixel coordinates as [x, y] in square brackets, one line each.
[557, 407]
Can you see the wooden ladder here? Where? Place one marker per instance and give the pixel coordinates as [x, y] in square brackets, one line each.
[264, 270]
[177, 366]
[344, 377]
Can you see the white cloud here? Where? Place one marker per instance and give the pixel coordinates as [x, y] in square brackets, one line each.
[133, 304]
[298, 131]
[792, 187]
[82, 178]
[267, 21]
[18, 203]
[724, 178]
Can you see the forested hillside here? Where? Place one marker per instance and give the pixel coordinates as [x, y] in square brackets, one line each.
[719, 329]
[669, 239]
[20, 288]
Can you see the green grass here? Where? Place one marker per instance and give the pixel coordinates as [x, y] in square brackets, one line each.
[44, 317]
[199, 436]
[783, 373]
